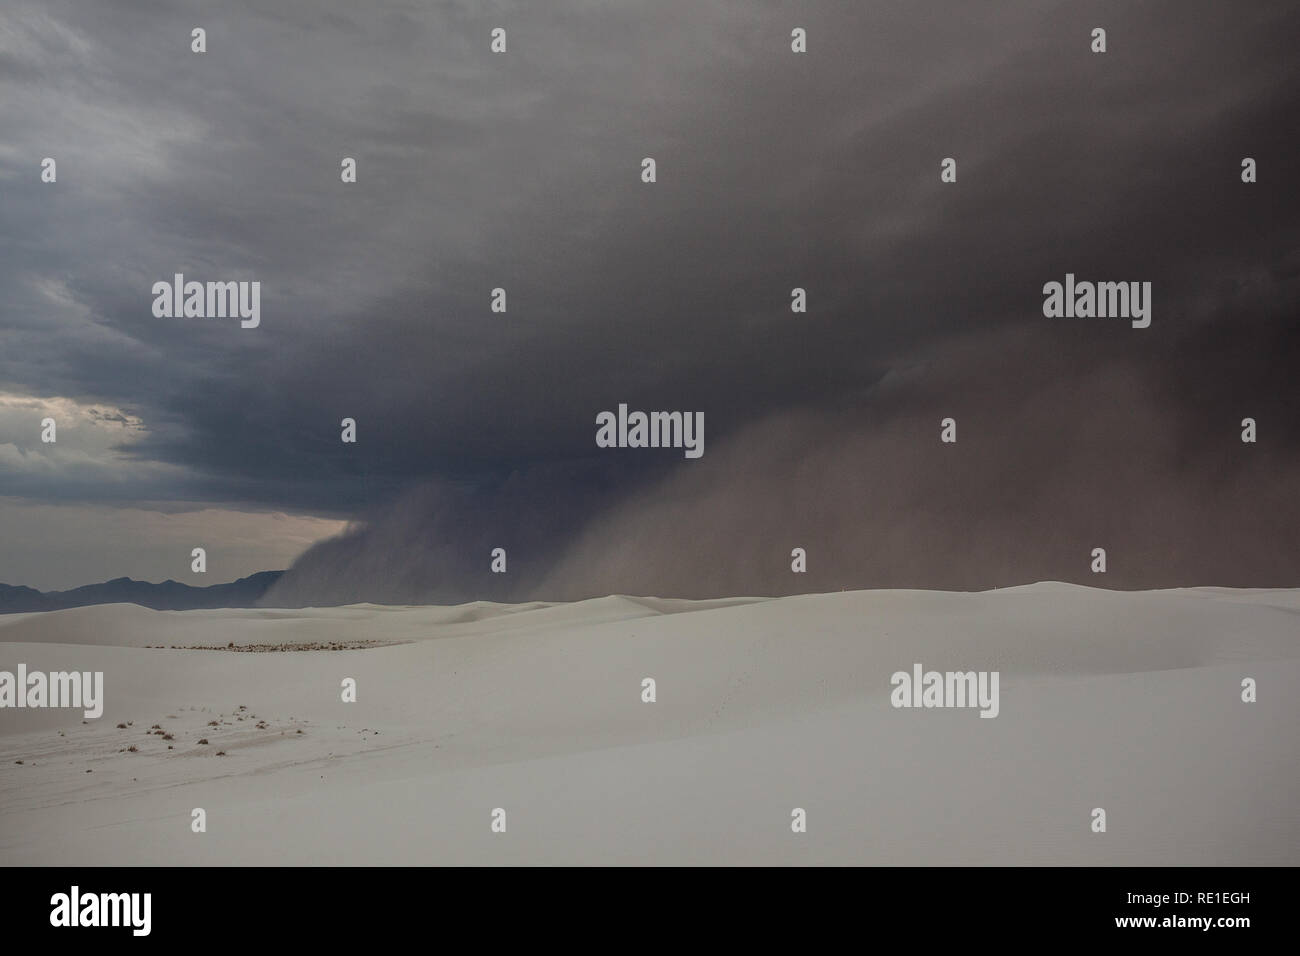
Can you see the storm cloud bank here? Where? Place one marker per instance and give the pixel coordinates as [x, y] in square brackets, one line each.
[776, 170]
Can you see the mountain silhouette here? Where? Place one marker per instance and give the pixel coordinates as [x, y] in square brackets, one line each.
[167, 596]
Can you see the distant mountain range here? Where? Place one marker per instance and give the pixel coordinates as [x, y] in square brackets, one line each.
[167, 596]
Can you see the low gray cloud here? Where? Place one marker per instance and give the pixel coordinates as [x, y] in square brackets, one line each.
[1052, 461]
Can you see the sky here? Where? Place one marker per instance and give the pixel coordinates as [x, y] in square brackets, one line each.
[774, 170]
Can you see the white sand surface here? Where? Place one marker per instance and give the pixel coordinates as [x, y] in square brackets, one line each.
[1130, 701]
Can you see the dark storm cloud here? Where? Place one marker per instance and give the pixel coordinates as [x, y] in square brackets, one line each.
[775, 170]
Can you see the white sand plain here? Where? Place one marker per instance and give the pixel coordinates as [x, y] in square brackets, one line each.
[1129, 701]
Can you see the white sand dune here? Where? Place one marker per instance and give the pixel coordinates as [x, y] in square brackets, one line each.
[1121, 700]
